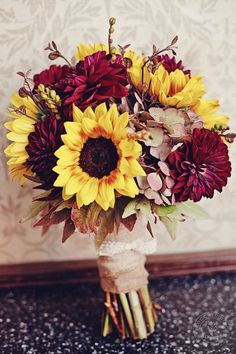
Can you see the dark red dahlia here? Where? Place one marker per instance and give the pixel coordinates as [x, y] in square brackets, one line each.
[54, 77]
[199, 167]
[94, 81]
[43, 142]
[170, 64]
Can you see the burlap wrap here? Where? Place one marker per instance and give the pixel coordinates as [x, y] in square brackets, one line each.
[123, 272]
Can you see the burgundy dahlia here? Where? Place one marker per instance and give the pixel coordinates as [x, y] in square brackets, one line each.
[94, 81]
[54, 77]
[43, 142]
[199, 167]
[170, 64]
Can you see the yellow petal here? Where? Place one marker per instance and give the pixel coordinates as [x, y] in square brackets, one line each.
[77, 114]
[124, 166]
[73, 185]
[105, 123]
[88, 125]
[130, 189]
[130, 148]
[100, 110]
[62, 178]
[89, 113]
[135, 169]
[17, 137]
[72, 127]
[102, 202]
[89, 191]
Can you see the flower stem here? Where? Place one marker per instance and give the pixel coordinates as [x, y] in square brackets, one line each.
[138, 315]
[128, 314]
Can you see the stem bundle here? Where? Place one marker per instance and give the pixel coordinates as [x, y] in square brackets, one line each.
[129, 314]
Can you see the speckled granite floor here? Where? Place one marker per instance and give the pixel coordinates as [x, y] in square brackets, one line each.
[200, 318]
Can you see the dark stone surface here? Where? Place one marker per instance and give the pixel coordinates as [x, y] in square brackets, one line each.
[200, 318]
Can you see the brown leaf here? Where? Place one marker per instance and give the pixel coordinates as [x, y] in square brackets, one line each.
[54, 45]
[53, 55]
[33, 178]
[48, 47]
[21, 73]
[45, 229]
[149, 228]
[28, 84]
[127, 46]
[106, 226]
[129, 222]
[174, 40]
[23, 92]
[69, 229]
[62, 215]
[78, 216]
[46, 218]
[93, 219]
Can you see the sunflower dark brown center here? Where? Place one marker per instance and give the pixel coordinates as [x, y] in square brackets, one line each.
[98, 157]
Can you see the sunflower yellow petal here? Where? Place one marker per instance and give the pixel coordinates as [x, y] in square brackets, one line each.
[100, 110]
[62, 178]
[89, 191]
[88, 125]
[135, 169]
[130, 188]
[77, 114]
[130, 148]
[89, 113]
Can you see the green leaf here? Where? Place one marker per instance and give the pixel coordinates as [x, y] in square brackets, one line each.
[67, 204]
[171, 226]
[192, 210]
[165, 210]
[130, 209]
[144, 205]
[35, 209]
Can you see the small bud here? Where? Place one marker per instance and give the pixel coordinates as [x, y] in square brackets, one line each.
[41, 87]
[57, 98]
[53, 93]
[112, 21]
[44, 96]
[111, 30]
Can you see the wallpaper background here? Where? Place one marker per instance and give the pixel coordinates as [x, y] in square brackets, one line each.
[206, 30]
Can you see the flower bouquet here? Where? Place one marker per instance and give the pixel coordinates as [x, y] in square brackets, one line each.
[118, 143]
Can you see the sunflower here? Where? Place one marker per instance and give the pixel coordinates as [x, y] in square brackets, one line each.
[83, 50]
[23, 114]
[176, 88]
[97, 157]
[207, 109]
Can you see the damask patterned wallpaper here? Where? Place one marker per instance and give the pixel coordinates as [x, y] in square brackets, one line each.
[207, 30]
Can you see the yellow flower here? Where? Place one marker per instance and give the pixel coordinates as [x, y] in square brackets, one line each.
[135, 71]
[21, 125]
[176, 88]
[207, 109]
[97, 157]
[83, 50]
